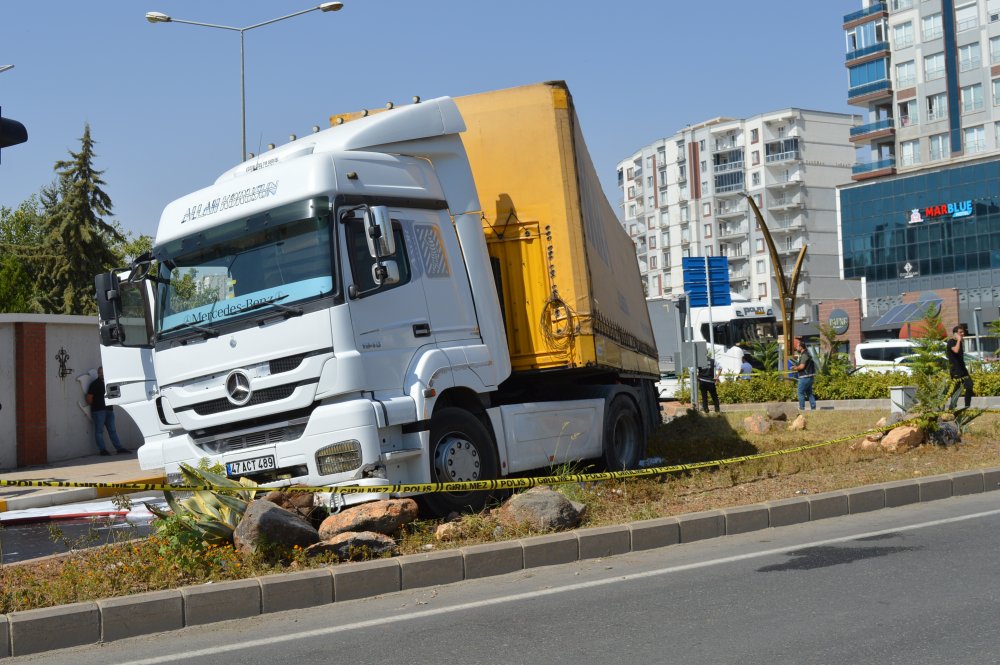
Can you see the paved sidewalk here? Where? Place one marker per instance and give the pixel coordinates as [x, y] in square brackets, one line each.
[94, 468]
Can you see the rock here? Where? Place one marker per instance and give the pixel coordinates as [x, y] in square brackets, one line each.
[541, 508]
[266, 524]
[354, 546]
[297, 502]
[757, 424]
[447, 531]
[780, 411]
[902, 438]
[383, 517]
[947, 433]
[797, 425]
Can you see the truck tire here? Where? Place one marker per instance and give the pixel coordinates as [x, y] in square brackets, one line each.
[461, 449]
[624, 442]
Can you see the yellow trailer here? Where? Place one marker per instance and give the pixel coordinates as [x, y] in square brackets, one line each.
[566, 270]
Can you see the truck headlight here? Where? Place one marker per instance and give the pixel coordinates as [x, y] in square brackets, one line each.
[339, 457]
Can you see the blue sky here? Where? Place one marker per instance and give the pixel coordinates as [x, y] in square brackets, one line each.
[163, 101]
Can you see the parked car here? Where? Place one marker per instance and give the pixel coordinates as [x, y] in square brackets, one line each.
[880, 356]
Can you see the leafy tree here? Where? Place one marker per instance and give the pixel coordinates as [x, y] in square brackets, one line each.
[22, 255]
[78, 233]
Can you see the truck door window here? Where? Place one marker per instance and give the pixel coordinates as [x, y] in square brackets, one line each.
[135, 324]
[361, 260]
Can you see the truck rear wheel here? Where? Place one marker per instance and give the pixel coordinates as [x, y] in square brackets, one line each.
[624, 444]
[461, 449]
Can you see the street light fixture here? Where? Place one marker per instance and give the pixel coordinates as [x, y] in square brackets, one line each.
[4, 68]
[160, 17]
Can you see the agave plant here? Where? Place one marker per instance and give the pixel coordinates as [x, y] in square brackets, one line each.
[210, 515]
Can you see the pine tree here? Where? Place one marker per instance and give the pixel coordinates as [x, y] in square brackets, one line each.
[78, 234]
[22, 255]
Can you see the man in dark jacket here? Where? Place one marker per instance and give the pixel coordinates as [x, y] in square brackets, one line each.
[956, 366]
[103, 416]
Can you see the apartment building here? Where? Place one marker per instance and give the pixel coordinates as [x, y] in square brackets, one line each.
[922, 215]
[686, 196]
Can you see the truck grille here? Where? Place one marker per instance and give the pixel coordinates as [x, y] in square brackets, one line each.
[228, 444]
[286, 364]
[259, 397]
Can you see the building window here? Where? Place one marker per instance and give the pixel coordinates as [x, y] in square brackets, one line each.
[652, 242]
[994, 50]
[760, 266]
[685, 215]
[759, 200]
[663, 178]
[708, 230]
[967, 17]
[706, 209]
[972, 98]
[969, 57]
[900, 5]
[652, 262]
[908, 115]
[934, 66]
[974, 139]
[649, 182]
[996, 133]
[650, 202]
[704, 166]
[906, 74]
[910, 153]
[940, 146]
[937, 107]
[902, 35]
[755, 179]
[755, 157]
[996, 92]
[761, 289]
[759, 245]
[633, 230]
[931, 27]
[754, 135]
[631, 210]
[682, 173]
[701, 145]
[631, 192]
[630, 173]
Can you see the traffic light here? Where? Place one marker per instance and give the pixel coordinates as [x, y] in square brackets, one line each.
[11, 132]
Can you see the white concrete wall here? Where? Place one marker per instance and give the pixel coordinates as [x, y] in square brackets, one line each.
[8, 417]
[70, 430]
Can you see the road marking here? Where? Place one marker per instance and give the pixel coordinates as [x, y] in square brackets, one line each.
[395, 618]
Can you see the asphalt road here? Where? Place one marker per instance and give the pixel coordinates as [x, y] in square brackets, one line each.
[912, 585]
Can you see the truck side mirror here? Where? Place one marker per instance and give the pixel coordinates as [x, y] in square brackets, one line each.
[386, 273]
[109, 305]
[378, 232]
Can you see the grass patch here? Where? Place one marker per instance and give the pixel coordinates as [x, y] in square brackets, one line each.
[160, 562]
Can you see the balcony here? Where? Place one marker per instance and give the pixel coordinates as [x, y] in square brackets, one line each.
[862, 55]
[786, 224]
[780, 182]
[728, 166]
[739, 275]
[790, 247]
[876, 9]
[900, 5]
[784, 202]
[787, 156]
[861, 94]
[735, 189]
[874, 130]
[733, 230]
[723, 211]
[874, 169]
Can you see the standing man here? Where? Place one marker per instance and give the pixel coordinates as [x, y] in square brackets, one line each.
[103, 416]
[956, 366]
[805, 368]
[708, 377]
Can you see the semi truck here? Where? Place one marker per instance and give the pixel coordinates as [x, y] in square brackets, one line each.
[437, 292]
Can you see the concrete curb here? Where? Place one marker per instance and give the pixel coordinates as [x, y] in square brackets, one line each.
[51, 628]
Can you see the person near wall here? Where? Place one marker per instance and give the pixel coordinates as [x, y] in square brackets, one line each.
[103, 416]
[956, 366]
[805, 371]
[746, 370]
[708, 377]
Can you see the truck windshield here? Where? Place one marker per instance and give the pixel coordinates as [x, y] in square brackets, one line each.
[241, 269]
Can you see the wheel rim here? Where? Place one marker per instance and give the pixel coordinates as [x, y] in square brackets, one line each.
[625, 439]
[457, 459]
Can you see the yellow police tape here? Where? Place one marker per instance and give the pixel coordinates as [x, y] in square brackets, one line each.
[465, 486]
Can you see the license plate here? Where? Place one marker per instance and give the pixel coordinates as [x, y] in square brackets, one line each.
[252, 465]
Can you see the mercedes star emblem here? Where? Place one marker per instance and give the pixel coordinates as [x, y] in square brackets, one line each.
[238, 387]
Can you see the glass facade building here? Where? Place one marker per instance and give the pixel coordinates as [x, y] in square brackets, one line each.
[931, 224]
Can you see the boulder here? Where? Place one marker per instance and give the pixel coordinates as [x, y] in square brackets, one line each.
[447, 531]
[780, 411]
[902, 438]
[541, 508]
[757, 424]
[266, 524]
[354, 546]
[297, 502]
[797, 425]
[383, 517]
[947, 433]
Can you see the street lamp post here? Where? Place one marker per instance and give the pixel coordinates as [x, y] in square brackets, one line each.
[159, 17]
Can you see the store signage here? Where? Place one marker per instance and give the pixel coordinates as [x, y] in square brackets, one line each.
[908, 271]
[839, 321]
[954, 210]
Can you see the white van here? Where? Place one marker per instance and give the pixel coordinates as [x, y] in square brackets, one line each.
[880, 355]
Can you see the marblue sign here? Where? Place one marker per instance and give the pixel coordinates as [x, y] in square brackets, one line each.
[698, 289]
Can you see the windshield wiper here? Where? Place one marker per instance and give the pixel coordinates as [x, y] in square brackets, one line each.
[208, 332]
[273, 302]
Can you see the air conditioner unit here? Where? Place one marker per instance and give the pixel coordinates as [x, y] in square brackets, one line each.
[994, 17]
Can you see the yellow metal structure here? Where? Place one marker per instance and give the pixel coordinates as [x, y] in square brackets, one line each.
[566, 270]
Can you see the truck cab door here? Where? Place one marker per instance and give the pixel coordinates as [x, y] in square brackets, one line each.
[128, 364]
[390, 321]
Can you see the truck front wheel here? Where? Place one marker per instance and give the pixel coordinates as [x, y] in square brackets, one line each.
[461, 449]
[624, 445]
